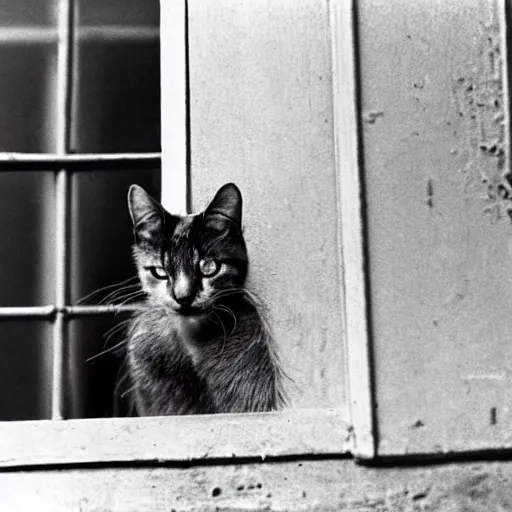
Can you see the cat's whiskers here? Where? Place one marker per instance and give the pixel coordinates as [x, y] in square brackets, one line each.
[121, 377]
[251, 297]
[128, 391]
[129, 298]
[111, 297]
[254, 300]
[106, 351]
[224, 330]
[105, 288]
[115, 329]
[114, 301]
[214, 315]
[224, 308]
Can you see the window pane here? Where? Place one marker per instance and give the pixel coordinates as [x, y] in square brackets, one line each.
[27, 92]
[27, 210]
[28, 59]
[100, 256]
[117, 83]
[119, 12]
[25, 370]
[95, 366]
[102, 230]
[20, 13]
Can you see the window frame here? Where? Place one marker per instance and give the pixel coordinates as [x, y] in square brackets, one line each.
[255, 436]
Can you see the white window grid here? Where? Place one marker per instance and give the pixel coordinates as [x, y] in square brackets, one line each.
[62, 163]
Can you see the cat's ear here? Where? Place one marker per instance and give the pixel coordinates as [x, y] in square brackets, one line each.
[227, 205]
[147, 215]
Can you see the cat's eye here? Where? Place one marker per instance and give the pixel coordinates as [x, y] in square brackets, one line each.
[158, 272]
[208, 267]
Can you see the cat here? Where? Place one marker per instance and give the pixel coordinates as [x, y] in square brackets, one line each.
[201, 345]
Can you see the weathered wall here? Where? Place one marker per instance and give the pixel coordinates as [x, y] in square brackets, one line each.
[261, 116]
[439, 224]
[334, 485]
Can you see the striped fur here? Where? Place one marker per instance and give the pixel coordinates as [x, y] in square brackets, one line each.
[202, 345]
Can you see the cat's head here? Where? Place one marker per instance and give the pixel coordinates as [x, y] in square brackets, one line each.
[188, 263]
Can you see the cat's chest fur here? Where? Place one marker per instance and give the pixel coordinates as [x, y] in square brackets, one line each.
[182, 367]
[162, 367]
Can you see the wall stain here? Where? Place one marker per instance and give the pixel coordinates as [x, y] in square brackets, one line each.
[493, 416]
[371, 116]
[420, 495]
[418, 424]
[430, 193]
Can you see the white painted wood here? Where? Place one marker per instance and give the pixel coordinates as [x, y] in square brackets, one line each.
[350, 193]
[66, 159]
[62, 129]
[178, 439]
[174, 105]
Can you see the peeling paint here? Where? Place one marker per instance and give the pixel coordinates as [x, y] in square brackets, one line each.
[480, 105]
[433, 253]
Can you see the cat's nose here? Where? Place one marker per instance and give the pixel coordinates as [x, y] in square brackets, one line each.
[184, 300]
[183, 290]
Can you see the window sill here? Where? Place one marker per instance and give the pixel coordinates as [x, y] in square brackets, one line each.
[174, 439]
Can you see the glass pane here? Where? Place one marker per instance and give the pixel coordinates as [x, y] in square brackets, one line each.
[25, 370]
[100, 256]
[27, 211]
[96, 355]
[117, 97]
[20, 13]
[102, 230]
[119, 12]
[28, 60]
[27, 92]
[117, 78]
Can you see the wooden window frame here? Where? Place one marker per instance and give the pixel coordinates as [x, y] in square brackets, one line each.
[184, 439]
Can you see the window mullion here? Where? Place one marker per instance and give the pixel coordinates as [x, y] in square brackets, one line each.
[64, 70]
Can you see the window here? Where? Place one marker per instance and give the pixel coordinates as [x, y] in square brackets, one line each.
[82, 122]
[261, 124]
